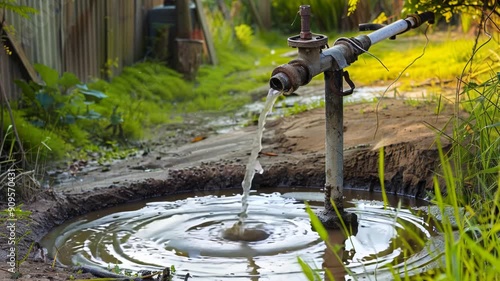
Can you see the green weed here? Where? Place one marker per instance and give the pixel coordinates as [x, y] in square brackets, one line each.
[36, 141]
[443, 61]
[476, 143]
[298, 108]
[59, 101]
[471, 241]
[16, 236]
[466, 192]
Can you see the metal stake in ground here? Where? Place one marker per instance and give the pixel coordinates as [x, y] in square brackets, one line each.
[334, 154]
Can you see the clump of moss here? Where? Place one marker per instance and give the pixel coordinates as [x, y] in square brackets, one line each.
[37, 142]
[144, 95]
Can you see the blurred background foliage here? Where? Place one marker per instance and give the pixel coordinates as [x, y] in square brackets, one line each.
[250, 41]
[345, 15]
[65, 118]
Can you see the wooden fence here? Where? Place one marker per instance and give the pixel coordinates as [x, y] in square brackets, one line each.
[85, 37]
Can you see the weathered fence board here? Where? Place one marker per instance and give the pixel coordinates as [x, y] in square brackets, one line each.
[79, 36]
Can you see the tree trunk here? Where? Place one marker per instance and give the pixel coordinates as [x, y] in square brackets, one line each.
[224, 10]
[255, 14]
[183, 19]
[264, 8]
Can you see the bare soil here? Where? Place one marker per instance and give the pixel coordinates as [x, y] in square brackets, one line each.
[292, 155]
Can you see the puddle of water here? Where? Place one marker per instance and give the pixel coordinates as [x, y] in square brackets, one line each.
[188, 232]
[306, 96]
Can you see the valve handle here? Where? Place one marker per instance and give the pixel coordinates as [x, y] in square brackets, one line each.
[338, 79]
[426, 17]
[349, 82]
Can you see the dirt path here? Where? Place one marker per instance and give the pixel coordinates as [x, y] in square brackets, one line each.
[293, 155]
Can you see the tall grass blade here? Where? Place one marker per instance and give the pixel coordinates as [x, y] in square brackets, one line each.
[329, 274]
[307, 270]
[381, 176]
[316, 223]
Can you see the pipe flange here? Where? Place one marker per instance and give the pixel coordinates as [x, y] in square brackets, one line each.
[317, 41]
[303, 69]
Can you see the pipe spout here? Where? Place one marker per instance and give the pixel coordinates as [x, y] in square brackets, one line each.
[280, 82]
[289, 77]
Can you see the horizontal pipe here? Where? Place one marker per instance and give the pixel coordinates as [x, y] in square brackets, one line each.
[341, 55]
[286, 77]
[391, 30]
[333, 55]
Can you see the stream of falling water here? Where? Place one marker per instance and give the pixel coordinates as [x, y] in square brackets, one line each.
[253, 164]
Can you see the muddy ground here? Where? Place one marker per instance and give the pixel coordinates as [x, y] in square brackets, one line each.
[292, 155]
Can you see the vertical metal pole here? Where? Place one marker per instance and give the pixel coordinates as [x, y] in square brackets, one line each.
[334, 147]
[334, 156]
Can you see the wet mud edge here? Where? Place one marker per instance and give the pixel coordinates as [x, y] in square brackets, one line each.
[408, 171]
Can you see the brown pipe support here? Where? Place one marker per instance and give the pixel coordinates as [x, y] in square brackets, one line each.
[289, 77]
[305, 22]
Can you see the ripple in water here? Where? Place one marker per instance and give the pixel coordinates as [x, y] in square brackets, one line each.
[192, 234]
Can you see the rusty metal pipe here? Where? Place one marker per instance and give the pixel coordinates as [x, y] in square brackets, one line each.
[345, 50]
[312, 61]
[305, 26]
[290, 76]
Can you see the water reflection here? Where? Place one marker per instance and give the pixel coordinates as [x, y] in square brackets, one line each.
[188, 233]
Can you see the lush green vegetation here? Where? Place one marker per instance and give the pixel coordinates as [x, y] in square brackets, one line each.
[77, 118]
[466, 191]
[476, 144]
[149, 94]
[467, 188]
[65, 118]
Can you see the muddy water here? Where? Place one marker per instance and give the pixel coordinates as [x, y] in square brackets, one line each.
[305, 96]
[188, 232]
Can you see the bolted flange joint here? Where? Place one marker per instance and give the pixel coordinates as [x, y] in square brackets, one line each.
[354, 47]
[317, 41]
[306, 39]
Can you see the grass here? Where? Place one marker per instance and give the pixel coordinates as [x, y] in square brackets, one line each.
[443, 60]
[467, 186]
[471, 243]
[476, 149]
[472, 247]
[16, 186]
[466, 189]
[148, 94]
[298, 108]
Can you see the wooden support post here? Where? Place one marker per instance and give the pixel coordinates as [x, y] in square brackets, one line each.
[255, 14]
[206, 33]
[19, 51]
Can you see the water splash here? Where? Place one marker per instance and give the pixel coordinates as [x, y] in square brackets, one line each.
[253, 164]
[188, 232]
